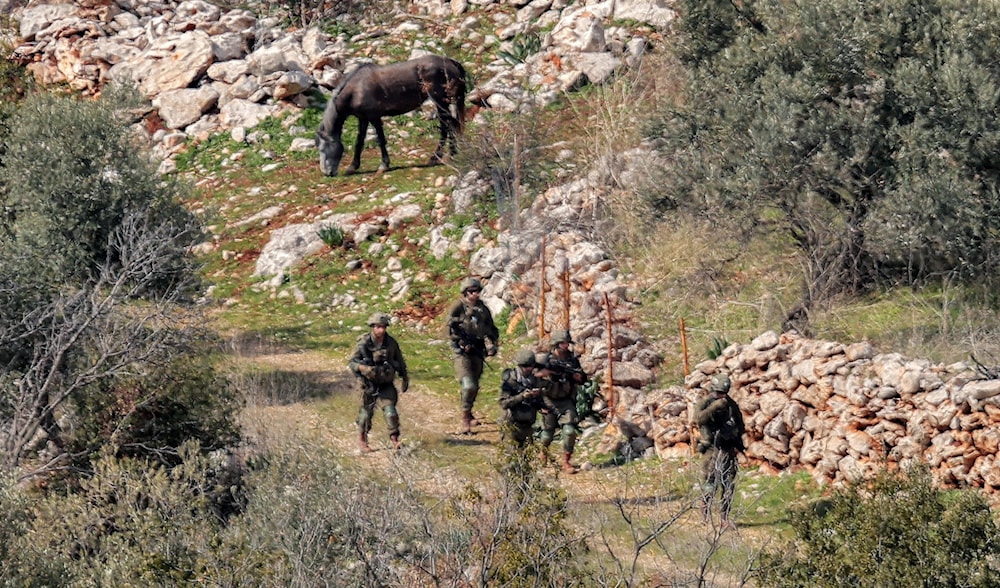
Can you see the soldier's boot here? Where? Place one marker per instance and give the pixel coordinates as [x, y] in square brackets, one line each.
[473, 421]
[543, 455]
[567, 467]
[363, 442]
[466, 422]
[396, 443]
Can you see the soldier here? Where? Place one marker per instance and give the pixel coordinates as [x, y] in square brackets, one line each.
[562, 368]
[473, 338]
[377, 361]
[520, 397]
[721, 438]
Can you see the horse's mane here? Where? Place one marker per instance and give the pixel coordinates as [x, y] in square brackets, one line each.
[330, 114]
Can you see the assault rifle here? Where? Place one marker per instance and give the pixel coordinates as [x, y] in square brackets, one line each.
[562, 372]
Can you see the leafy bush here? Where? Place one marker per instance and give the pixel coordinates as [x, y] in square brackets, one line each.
[70, 176]
[134, 521]
[898, 532]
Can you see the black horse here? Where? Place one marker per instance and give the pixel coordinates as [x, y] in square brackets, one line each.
[373, 91]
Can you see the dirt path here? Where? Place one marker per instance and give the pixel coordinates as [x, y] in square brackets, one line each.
[437, 457]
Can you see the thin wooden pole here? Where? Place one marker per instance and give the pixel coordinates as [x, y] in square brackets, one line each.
[541, 293]
[565, 289]
[611, 398]
[684, 349]
[687, 371]
[517, 183]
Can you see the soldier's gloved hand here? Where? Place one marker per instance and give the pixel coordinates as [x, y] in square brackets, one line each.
[365, 370]
[491, 349]
[406, 384]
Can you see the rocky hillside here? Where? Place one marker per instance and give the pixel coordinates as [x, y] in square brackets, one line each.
[838, 410]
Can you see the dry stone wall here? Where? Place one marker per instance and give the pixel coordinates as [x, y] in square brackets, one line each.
[839, 411]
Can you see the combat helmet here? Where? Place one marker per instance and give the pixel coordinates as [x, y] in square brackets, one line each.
[525, 357]
[471, 284]
[379, 318]
[561, 336]
[720, 383]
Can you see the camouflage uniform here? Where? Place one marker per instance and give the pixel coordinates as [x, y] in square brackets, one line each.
[473, 337]
[377, 365]
[565, 376]
[721, 429]
[520, 393]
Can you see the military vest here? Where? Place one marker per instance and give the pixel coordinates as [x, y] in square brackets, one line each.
[562, 386]
[382, 370]
[522, 412]
[473, 321]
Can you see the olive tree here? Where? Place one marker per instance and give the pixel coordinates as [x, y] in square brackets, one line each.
[866, 132]
[95, 279]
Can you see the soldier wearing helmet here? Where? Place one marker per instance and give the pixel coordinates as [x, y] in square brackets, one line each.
[520, 398]
[561, 368]
[721, 429]
[377, 361]
[473, 337]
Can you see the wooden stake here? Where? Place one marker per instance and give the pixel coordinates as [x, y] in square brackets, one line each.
[565, 286]
[610, 372]
[541, 293]
[684, 349]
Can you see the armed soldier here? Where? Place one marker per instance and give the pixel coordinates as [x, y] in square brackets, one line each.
[377, 360]
[721, 430]
[473, 337]
[561, 367]
[520, 398]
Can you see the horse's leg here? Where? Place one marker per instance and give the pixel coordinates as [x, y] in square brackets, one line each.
[447, 130]
[380, 133]
[453, 128]
[359, 145]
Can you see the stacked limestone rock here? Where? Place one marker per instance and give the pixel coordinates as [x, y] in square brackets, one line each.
[841, 411]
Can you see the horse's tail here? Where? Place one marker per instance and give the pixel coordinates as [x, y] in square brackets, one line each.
[460, 96]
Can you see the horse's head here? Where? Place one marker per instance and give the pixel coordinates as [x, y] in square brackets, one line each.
[331, 150]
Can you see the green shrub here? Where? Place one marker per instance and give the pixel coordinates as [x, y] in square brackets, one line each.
[133, 523]
[520, 534]
[898, 531]
[718, 346]
[152, 415]
[520, 49]
[332, 235]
